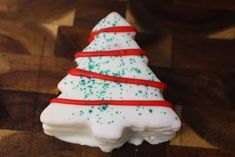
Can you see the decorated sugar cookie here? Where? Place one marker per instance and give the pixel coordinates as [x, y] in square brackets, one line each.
[112, 96]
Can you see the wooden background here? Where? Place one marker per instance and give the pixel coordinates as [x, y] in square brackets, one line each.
[39, 38]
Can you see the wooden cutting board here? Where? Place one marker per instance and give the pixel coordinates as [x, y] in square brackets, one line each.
[36, 54]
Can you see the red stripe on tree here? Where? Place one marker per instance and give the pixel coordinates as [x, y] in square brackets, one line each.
[112, 29]
[161, 103]
[122, 52]
[81, 72]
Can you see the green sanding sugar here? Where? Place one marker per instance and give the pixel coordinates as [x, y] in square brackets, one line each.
[90, 66]
[104, 107]
[82, 82]
[81, 113]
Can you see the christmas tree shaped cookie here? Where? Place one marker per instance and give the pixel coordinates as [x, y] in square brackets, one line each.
[112, 96]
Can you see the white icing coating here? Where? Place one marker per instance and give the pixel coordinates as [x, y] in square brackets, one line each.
[95, 89]
[111, 20]
[125, 66]
[112, 41]
[108, 126]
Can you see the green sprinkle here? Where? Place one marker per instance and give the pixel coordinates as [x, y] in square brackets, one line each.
[90, 67]
[138, 71]
[81, 113]
[82, 82]
[104, 107]
[86, 95]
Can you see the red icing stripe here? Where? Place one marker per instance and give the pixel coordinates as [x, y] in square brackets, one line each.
[122, 52]
[81, 72]
[112, 29]
[113, 102]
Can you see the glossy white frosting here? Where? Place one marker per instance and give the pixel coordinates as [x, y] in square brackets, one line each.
[107, 126]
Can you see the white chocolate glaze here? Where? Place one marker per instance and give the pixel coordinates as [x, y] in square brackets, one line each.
[108, 126]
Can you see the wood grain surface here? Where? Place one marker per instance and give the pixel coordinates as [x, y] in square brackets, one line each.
[193, 52]
[4, 64]
[42, 11]
[36, 51]
[207, 104]
[225, 4]
[167, 16]
[89, 12]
